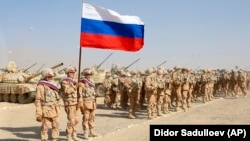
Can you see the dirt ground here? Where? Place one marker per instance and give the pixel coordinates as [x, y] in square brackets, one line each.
[17, 122]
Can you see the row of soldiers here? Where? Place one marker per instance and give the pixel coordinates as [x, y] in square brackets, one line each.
[73, 96]
[161, 88]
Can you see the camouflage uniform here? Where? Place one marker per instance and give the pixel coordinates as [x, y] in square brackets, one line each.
[133, 85]
[242, 82]
[88, 103]
[107, 83]
[160, 83]
[115, 97]
[176, 92]
[204, 86]
[151, 92]
[123, 91]
[69, 95]
[47, 104]
[167, 92]
[233, 85]
[185, 87]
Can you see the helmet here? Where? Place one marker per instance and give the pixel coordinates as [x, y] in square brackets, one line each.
[87, 71]
[149, 71]
[47, 72]
[70, 69]
[160, 72]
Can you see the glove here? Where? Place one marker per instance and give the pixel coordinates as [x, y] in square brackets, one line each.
[39, 118]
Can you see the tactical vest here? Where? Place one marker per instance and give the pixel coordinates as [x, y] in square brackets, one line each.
[88, 93]
[50, 96]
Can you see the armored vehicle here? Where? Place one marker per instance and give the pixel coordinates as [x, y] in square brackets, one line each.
[99, 76]
[18, 86]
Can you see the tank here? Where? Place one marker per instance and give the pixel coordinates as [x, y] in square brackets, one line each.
[99, 76]
[17, 86]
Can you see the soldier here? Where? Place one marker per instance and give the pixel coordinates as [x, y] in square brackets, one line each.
[176, 92]
[167, 92]
[225, 80]
[242, 82]
[88, 103]
[151, 92]
[115, 97]
[185, 87]
[133, 85]
[205, 86]
[47, 104]
[123, 90]
[107, 83]
[233, 84]
[69, 95]
[160, 82]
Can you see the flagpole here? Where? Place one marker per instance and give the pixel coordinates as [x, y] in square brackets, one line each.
[79, 69]
[80, 58]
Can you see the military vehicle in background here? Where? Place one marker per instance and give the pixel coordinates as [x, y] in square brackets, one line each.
[116, 70]
[17, 86]
[99, 76]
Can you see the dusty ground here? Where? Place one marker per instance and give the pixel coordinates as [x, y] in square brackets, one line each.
[17, 122]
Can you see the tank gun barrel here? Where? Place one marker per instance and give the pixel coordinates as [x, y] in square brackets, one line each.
[104, 61]
[132, 63]
[37, 74]
[40, 67]
[29, 67]
[162, 63]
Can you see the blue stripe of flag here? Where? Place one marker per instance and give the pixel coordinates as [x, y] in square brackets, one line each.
[112, 28]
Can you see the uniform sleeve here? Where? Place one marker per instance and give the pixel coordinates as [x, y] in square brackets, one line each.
[80, 90]
[38, 99]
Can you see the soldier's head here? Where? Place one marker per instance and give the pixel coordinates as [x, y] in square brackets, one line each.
[108, 75]
[159, 72]
[87, 72]
[149, 71]
[177, 68]
[70, 71]
[47, 74]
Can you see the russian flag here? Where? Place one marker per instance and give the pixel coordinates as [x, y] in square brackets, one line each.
[106, 29]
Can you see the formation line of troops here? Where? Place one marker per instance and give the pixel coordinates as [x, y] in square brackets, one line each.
[162, 89]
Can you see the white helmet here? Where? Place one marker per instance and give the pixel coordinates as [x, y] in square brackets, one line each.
[70, 69]
[87, 71]
[47, 72]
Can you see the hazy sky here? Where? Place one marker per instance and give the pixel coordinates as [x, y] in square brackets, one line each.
[186, 33]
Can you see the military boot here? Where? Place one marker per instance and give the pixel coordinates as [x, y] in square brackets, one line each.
[165, 109]
[75, 138]
[131, 116]
[92, 133]
[150, 116]
[159, 113]
[69, 137]
[86, 134]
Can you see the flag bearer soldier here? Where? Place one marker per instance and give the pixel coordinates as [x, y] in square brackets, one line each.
[69, 95]
[88, 104]
[47, 104]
